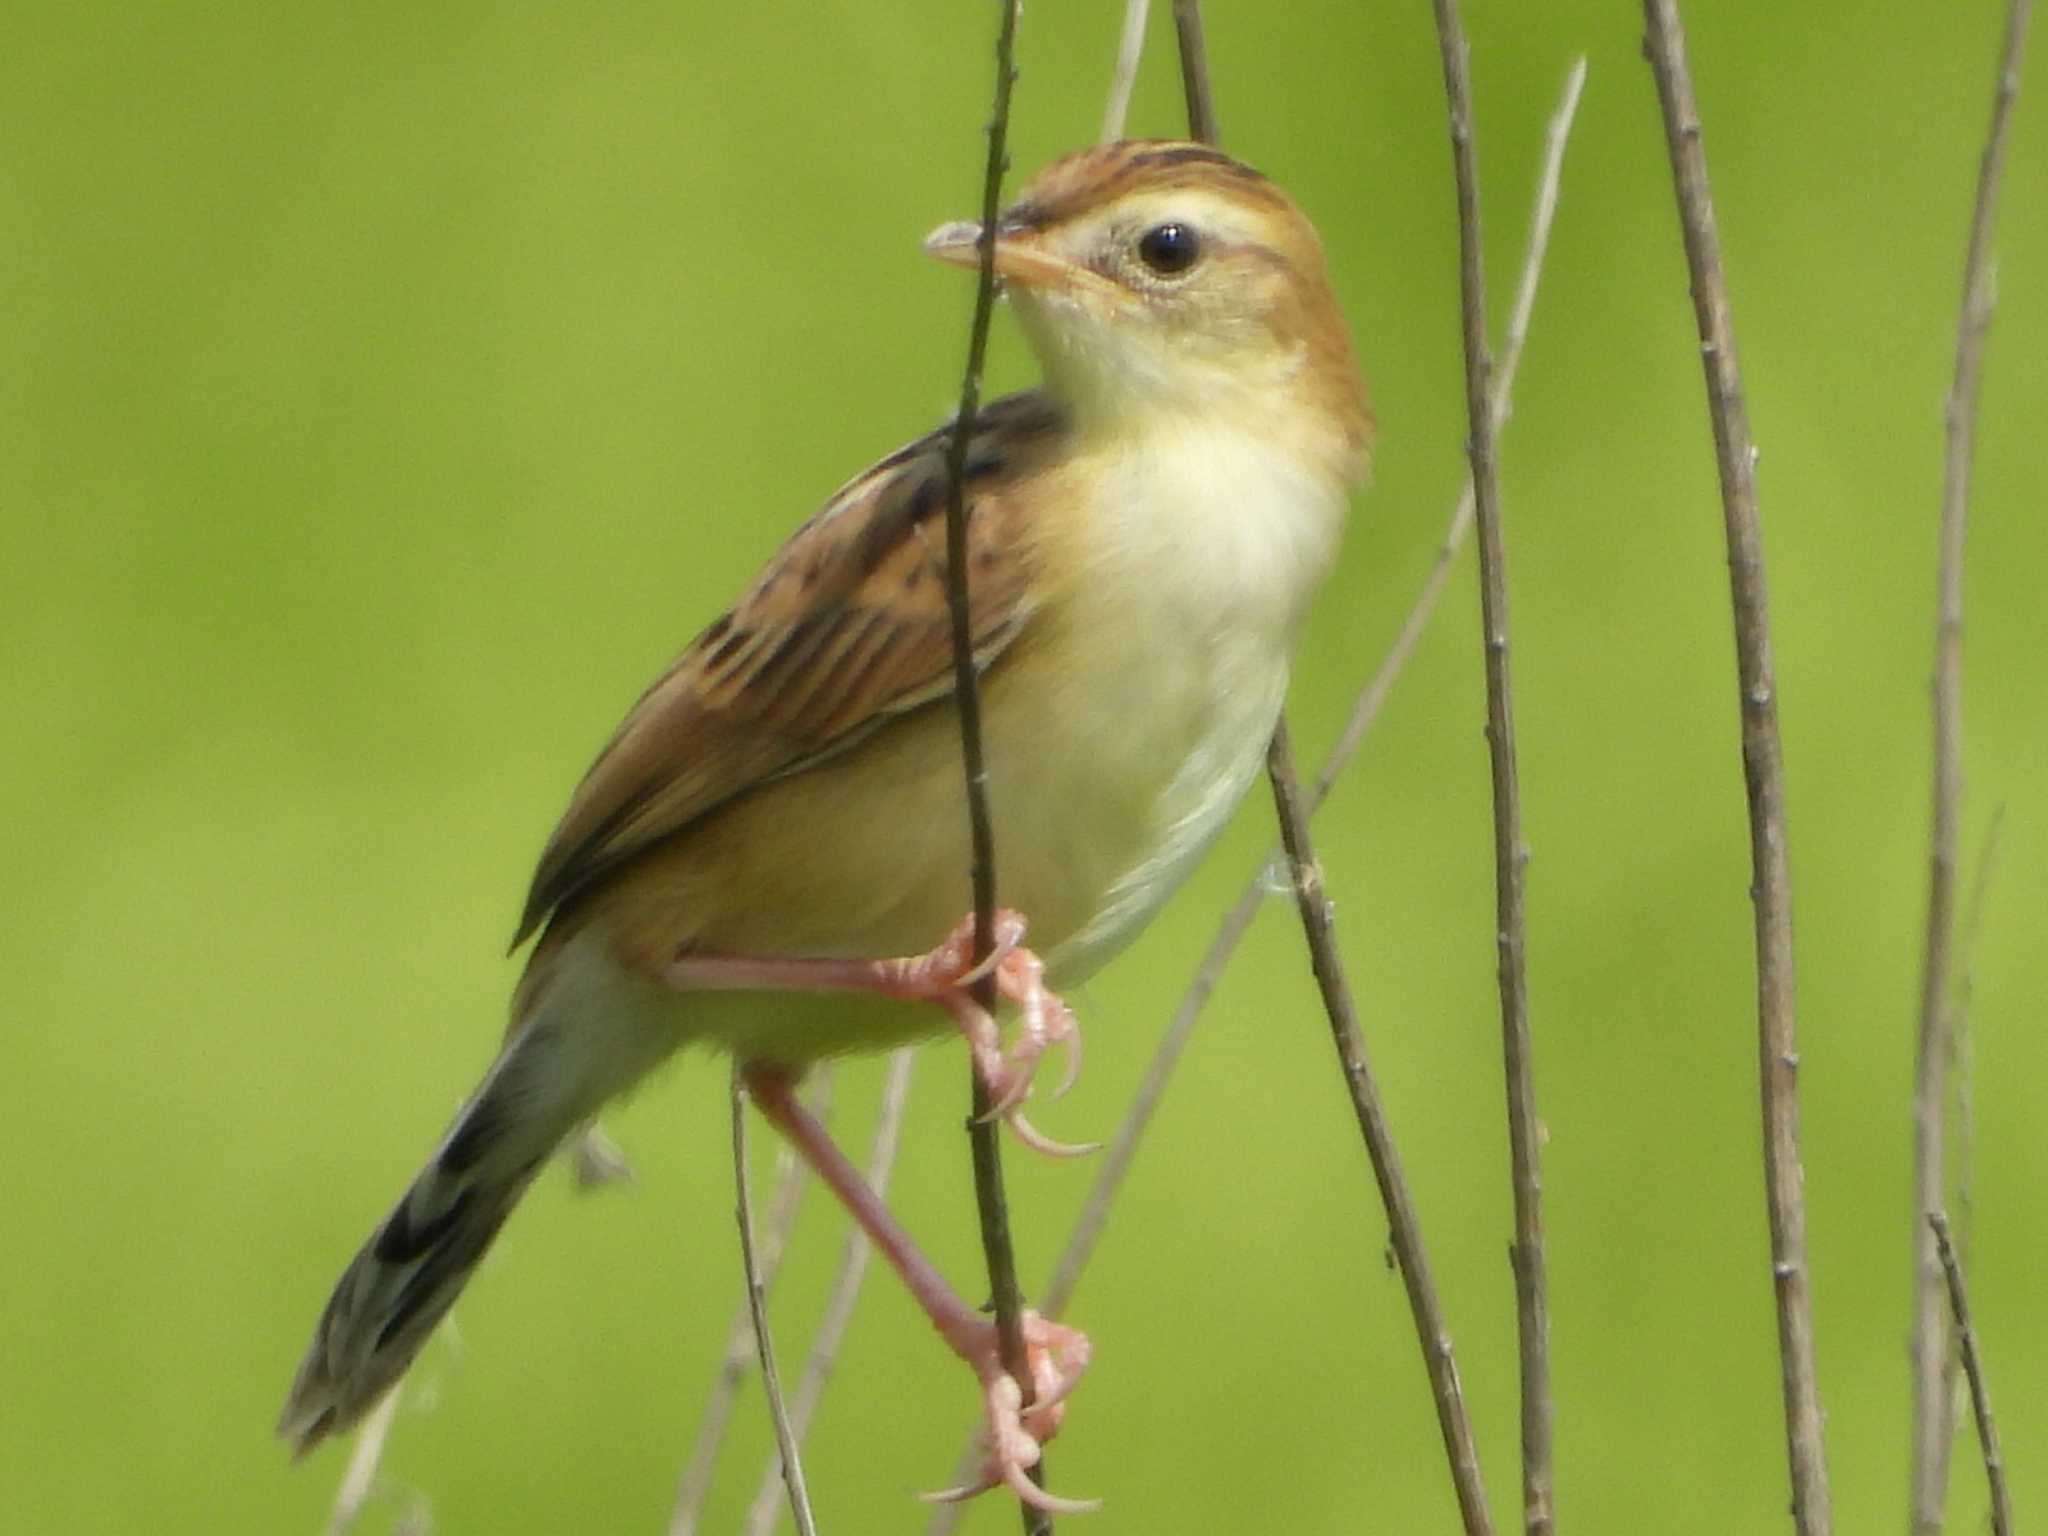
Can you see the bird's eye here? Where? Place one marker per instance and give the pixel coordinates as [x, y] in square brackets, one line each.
[1169, 249]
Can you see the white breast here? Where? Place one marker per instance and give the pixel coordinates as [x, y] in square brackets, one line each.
[1208, 549]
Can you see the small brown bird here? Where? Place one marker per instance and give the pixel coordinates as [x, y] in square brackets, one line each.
[785, 804]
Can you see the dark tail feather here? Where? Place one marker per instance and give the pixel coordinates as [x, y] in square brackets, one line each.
[409, 1273]
[583, 1041]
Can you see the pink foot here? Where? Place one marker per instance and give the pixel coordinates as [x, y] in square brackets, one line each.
[1055, 1355]
[945, 975]
[942, 977]
[1015, 1436]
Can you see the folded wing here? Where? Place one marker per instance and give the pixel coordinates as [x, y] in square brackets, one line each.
[846, 629]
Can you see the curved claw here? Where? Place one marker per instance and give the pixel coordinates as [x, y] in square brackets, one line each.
[1071, 1040]
[1009, 935]
[1019, 1482]
[959, 1493]
[1039, 1142]
[1037, 1497]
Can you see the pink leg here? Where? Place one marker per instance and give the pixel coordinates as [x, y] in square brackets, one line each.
[941, 977]
[1057, 1354]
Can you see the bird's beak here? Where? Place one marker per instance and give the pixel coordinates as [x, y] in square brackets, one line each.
[1019, 257]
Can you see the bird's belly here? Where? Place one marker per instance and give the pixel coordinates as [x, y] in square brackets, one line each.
[1133, 788]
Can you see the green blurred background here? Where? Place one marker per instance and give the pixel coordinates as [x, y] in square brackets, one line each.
[389, 390]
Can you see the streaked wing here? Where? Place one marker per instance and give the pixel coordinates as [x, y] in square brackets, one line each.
[846, 628]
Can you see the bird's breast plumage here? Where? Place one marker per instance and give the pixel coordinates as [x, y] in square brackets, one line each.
[1201, 551]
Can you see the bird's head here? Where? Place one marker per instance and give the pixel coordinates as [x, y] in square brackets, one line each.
[1159, 278]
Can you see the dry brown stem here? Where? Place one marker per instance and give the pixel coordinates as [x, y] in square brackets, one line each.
[1194, 70]
[743, 1213]
[359, 1481]
[1763, 773]
[846, 1284]
[1510, 854]
[1130, 49]
[1404, 1227]
[1933, 1401]
[1328, 966]
[791, 1173]
[1973, 1369]
[1962, 1067]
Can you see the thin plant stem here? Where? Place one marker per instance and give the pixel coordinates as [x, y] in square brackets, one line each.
[1962, 1067]
[1194, 70]
[1404, 1227]
[785, 1199]
[778, 1411]
[1973, 1368]
[991, 1204]
[1366, 707]
[1328, 966]
[1763, 774]
[1510, 854]
[1933, 1400]
[1372, 698]
[360, 1479]
[853, 1265]
[1130, 49]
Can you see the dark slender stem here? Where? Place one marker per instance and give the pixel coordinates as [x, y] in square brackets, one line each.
[1933, 1402]
[996, 1246]
[1194, 70]
[743, 1212]
[1973, 1368]
[1366, 707]
[1763, 774]
[1329, 971]
[1532, 1302]
[1404, 1228]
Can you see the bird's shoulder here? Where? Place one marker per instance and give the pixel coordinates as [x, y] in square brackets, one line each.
[846, 627]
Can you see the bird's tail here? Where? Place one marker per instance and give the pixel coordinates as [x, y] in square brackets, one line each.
[551, 1077]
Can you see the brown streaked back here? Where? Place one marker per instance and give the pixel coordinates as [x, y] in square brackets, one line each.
[845, 628]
